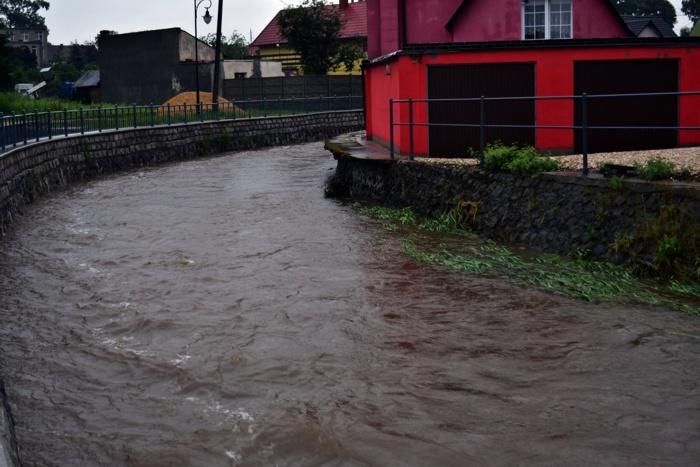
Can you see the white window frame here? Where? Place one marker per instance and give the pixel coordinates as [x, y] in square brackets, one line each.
[40, 36]
[547, 21]
[25, 37]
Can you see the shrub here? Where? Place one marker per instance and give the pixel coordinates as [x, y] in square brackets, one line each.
[497, 156]
[518, 161]
[656, 168]
[528, 162]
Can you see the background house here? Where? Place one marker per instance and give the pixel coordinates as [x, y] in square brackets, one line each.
[649, 26]
[151, 66]
[255, 68]
[510, 48]
[87, 88]
[83, 53]
[270, 44]
[33, 39]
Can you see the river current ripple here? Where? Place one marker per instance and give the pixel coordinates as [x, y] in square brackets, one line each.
[222, 312]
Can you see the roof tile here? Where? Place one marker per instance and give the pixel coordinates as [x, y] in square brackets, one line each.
[355, 25]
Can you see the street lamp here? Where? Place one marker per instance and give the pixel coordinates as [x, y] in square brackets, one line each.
[207, 20]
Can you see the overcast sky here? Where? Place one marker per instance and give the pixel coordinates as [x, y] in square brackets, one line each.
[81, 20]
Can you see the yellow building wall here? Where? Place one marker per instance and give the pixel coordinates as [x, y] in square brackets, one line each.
[290, 59]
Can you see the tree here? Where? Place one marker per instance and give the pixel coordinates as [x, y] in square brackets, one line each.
[648, 8]
[234, 47]
[22, 13]
[312, 29]
[6, 64]
[692, 9]
[76, 56]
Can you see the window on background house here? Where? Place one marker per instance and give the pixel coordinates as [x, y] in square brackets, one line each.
[25, 37]
[547, 19]
[40, 36]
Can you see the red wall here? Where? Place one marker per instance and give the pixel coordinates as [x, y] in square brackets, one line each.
[480, 21]
[554, 77]
[426, 20]
[498, 20]
[489, 20]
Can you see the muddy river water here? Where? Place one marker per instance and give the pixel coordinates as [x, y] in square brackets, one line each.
[222, 312]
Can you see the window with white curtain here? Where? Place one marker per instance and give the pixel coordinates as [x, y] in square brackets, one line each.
[547, 19]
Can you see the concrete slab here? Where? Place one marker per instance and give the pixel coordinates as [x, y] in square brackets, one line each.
[356, 146]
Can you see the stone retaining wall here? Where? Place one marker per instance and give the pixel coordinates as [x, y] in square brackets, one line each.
[28, 172]
[624, 221]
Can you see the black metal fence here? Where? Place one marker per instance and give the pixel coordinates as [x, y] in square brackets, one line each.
[583, 128]
[24, 128]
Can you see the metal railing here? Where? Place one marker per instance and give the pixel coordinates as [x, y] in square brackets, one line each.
[29, 127]
[585, 128]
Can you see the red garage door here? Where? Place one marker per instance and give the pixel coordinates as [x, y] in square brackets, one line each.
[474, 81]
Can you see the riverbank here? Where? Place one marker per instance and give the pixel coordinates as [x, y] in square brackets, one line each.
[652, 227]
[8, 445]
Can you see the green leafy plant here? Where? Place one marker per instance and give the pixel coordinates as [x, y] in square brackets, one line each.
[498, 156]
[617, 183]
[656, 168]
[529, 162]
[518, 161]
[582, 254]
[670, 247]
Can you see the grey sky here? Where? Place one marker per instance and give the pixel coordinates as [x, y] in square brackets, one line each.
[81, 20]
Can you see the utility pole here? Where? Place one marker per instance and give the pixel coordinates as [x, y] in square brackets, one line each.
[217, 58]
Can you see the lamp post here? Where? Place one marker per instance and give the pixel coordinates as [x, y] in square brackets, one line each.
[207, 20]
[217, 58]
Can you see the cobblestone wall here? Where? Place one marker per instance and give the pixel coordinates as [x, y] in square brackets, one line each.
[625, 221]
[28, 172]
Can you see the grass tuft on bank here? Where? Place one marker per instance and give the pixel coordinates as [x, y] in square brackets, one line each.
[591, 281]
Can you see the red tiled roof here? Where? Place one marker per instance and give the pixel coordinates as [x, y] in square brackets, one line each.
[354, 19]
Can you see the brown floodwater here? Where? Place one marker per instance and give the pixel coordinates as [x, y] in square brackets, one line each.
[222, 312]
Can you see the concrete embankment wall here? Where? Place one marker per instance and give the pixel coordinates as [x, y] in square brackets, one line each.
[625, 221]
[31, 171]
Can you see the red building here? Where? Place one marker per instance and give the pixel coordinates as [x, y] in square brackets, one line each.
[465, 49]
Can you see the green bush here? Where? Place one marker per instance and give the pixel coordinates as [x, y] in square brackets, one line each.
[518, 161]
[498, 156]
[656, 168]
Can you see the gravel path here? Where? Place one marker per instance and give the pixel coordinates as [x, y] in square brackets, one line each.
[682, 157]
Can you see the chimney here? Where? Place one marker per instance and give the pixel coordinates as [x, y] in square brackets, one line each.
[343, 4]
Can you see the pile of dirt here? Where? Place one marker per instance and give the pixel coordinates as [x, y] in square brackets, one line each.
[190, 98]
[185, 104]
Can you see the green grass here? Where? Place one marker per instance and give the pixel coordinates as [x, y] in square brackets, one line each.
[14, 102]
[591, 281]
